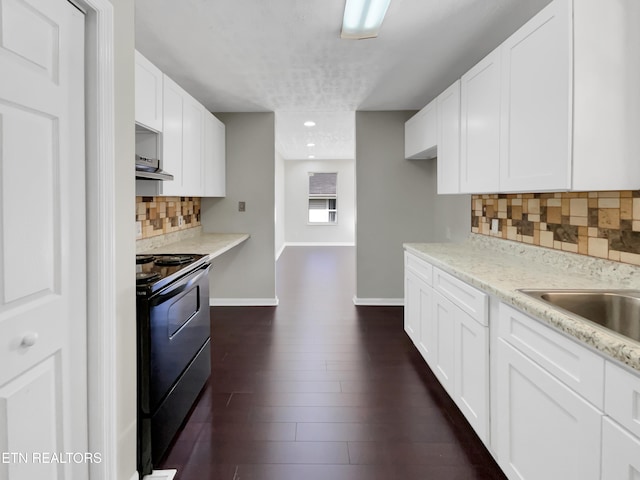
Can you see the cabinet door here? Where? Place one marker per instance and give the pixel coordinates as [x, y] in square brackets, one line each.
[449, 140]
[214, 160]
[545, 430]
[480, 126]
[620, 452]
[148, 93]
[535, 137]
[420, 133]
[192, 147]
[472, 372]
[412, 306]
[443, 364]
[426, 343]
[172, 109]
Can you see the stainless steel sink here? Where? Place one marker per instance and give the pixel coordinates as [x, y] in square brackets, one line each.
[617, 310]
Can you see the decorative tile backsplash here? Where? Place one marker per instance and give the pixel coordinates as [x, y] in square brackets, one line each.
[162, 215]
[598, 224]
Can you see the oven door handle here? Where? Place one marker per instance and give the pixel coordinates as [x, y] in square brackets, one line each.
[181, 285]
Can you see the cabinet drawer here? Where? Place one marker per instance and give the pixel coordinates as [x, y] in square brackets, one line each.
[468, 298]
[421, 268]
[573, 364]
[622, 397]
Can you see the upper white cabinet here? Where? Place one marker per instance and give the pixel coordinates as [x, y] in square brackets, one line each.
[192, 140]
[148, 93]
[552, 104]
[192, 146]
[535, 135]
[480, 126]
[421, 133]
[214, 163]
[449, 139]
[172, 138]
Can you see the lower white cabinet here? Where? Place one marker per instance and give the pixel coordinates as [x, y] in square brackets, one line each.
[620, 452]
[453, 343]
[545, 429]
[412, 286]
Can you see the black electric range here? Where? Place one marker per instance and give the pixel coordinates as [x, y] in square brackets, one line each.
[174, 347]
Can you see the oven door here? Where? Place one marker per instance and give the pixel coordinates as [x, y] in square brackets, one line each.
[179, 325]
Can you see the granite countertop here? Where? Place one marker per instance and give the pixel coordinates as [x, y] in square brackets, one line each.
[500, 267]
[212, 244]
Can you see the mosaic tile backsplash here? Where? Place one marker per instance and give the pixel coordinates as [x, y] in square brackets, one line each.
[162, 215]
[598, 224]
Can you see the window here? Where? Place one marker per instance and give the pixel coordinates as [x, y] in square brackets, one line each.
[323, 199]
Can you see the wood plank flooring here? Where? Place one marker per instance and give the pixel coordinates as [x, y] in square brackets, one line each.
[319, 389]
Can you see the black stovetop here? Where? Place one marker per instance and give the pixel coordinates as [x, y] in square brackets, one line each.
[154, 272]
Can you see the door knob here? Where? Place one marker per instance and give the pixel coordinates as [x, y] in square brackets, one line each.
[29, 339]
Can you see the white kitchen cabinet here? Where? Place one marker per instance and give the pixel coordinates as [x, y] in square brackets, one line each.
[480, 126]
[446, 320]
[192, 146]
[566, 101]
[148, 93]
[444, 329]
[545, 428]
[421, 133]
[448, 166]
[182, 143]
[535, 134]
[620, 452]
[214, 160]
[471, 352]
[412, 287]
[172, 138]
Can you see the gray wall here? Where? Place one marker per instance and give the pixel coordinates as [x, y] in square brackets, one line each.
[298, 229]
[125, 244]
[280, 203]
[396, 203]
[247, 271]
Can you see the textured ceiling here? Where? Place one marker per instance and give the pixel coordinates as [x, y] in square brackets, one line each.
[286, 56]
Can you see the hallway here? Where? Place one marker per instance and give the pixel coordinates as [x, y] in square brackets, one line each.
[318, 389]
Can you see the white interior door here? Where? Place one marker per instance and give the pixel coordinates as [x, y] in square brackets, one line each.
[43, 393]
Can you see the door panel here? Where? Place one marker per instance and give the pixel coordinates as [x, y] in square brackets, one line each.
[21, 405]
[43, 393]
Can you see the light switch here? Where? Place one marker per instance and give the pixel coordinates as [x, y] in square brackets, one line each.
[241, 206]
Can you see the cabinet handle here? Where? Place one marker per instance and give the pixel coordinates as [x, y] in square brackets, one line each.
[29, 339]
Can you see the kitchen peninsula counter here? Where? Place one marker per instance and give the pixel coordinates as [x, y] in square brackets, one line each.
[501, 267]
[212, 244]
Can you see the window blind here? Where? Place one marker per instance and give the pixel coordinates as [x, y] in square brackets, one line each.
[323, 184]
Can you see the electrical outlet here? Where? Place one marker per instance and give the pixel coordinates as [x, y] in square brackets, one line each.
[241, 206]
[180, 221]
[448, 233]
[138, 229]
[495, 225]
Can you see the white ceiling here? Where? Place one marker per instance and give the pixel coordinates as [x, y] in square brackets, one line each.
[286, 56]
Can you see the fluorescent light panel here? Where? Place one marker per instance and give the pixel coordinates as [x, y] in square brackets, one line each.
[363, 18]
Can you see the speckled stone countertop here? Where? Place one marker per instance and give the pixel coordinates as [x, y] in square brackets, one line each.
[212, 244]
[500, 267]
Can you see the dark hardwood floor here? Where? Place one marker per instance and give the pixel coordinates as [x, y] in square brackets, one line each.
[318, 389]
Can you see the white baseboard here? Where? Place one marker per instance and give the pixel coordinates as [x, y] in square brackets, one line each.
[279, 252]
[243, 302]
[319, 244]
[379, 302]
[160, 475]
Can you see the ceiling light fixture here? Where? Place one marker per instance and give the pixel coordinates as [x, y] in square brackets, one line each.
[309, 123]
[363, 18]
[312, 156]
[311, 144]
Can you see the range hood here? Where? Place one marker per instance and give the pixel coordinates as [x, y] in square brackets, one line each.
[149, 169]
